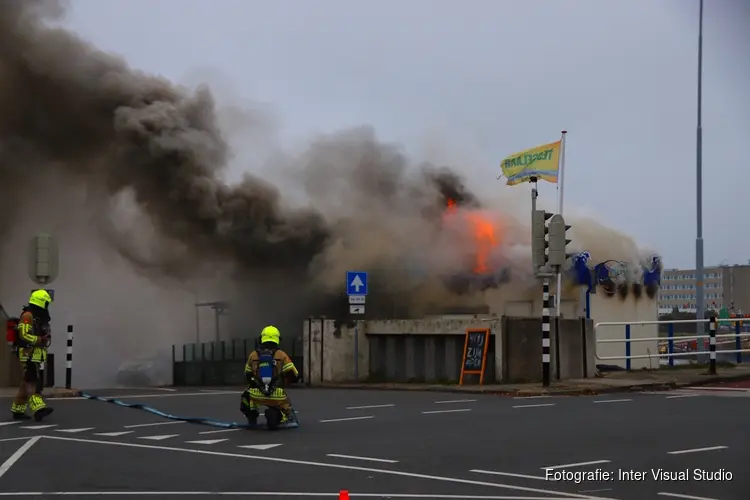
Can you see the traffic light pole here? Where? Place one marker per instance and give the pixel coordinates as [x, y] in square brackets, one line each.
[545, 334]
[545, 273]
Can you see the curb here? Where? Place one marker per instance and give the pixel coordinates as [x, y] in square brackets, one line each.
[66, 393]
[587, 391]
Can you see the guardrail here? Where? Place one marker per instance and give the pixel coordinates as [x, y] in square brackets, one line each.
[711, 336]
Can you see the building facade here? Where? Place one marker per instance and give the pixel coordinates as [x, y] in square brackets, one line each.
[724, 286]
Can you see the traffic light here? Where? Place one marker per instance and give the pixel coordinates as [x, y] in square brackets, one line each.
[558, 240]
[539, 242]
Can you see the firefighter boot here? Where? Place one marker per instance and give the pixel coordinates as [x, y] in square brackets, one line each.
[39, 408]
[19, 411]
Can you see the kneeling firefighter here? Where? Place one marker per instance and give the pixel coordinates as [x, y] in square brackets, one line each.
[33, 335]
[266, 367]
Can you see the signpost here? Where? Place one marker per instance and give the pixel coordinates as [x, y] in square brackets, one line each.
[356, 290]
[44, 259]
[474, 359]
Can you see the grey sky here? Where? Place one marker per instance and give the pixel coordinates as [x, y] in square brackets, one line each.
[489, 78]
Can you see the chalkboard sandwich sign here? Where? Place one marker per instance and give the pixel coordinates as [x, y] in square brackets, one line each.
[475, 353]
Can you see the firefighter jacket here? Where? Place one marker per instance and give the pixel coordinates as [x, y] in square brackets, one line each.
[33, 337]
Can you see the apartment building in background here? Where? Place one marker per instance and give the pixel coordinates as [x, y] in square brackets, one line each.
[723, 286]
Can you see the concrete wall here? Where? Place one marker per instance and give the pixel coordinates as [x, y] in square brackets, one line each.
[431, 350]
[533, 308]
[328, 350]
[426, 350]
[614, 309]
[572, 352]
[439, 342]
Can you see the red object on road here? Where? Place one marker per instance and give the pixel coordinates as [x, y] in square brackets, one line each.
[343, 495]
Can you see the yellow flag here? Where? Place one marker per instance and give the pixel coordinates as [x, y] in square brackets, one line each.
[542, 162]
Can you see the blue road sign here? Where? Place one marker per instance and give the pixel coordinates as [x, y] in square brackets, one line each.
[356, 283]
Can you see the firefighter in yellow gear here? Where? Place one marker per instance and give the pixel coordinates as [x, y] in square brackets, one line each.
[268, 358]
[32, 341]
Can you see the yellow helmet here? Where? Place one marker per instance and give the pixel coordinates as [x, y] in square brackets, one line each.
[40, 298]
[270, 334]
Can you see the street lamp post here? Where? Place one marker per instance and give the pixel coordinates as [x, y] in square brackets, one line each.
[699, 305]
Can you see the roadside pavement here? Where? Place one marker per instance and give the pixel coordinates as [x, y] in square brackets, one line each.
[606, 382]
[50, 392]
[663, 378]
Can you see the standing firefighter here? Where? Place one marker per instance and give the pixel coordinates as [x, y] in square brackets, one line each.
[31, 343]
[266, 367]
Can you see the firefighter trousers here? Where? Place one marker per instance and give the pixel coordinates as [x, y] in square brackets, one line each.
[252, 400]
[27, 395]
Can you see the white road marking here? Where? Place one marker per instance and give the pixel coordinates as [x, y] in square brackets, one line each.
[222, 430]
[688, 497]
[730, 389]
[456, 480]
[451, 401]
[368, 407]
[262, 447]
[167, 389]
[445, 411]
[159, 438]
[151, 425]
[533, 397]
[207, 441]
[269, 494]
[9, 423]
[5, 467]
[368, 459]
[534, 406]
[683, 396]
[112, 434]
[697, 450]
[508, 474]
[345, 419]
[20, 438]
[612, 400]
[74, 431]
[37, 427]
[579, 464]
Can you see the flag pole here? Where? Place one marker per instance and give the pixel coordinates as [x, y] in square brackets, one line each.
[560, 190]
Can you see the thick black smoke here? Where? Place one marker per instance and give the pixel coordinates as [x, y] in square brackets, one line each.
[86, 115]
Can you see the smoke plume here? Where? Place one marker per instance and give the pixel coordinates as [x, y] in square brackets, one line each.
[127, 168]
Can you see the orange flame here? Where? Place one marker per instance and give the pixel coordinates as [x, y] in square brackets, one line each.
[484, 232]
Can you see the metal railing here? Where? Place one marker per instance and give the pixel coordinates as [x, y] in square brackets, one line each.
[220, 362]
[670, 354]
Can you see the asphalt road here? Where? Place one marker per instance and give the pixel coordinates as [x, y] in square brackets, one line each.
[383, 444]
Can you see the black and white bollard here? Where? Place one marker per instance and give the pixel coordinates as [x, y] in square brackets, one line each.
[712, 344]
[545, 333]
[69, 359]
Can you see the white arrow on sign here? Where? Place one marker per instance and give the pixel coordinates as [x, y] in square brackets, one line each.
[357, 283]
